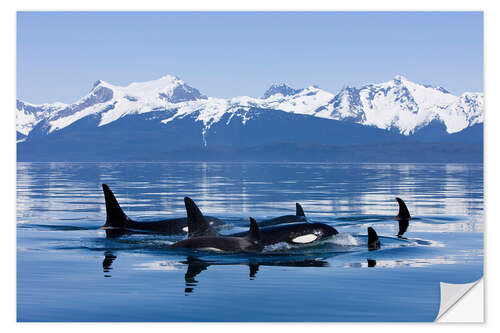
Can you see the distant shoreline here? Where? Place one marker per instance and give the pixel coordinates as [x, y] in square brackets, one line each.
[408, 152]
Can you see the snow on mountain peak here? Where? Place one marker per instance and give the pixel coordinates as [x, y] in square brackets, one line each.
[398, 79]
[168, 87]
[164, 82]
[402, 105]
[302, 101]
[397, 104]
[96, 83]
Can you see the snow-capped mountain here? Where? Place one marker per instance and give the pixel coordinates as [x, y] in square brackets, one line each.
[110, 101]
[398, 105]
[28, 115]
[404, 106]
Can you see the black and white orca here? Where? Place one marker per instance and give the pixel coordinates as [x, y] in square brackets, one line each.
[118, 223]
[202, 236]
[293, 233]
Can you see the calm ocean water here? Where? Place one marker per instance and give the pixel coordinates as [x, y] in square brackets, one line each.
[68, 271]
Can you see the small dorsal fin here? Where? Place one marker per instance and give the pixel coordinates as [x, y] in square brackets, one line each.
[115, 217]
[403, 210]
[197, 224]
[254, 232]
[254, 268]
[298, 210]
[373, 241]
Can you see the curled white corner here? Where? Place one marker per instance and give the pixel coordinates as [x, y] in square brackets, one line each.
[451, 295]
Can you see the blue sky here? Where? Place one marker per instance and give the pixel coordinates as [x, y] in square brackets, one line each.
[60, 55]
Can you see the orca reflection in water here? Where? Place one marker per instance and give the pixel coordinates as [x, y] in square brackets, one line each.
[403, 217]
[202, 236]
[109, 257]
[298, 217]
[196, 266]
[118, 223]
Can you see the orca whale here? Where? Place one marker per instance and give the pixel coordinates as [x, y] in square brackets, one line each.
[403, 217]
[373, 241]
[293, 233]
[298, 217]
[202, 236]
[118, 223]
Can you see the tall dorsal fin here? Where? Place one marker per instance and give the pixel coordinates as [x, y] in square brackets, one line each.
[197, 225]
[373, 241]
[403, 214]
[254, 232]
[115, 217]
[298, 210]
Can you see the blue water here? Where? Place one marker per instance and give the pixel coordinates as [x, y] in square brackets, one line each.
[68, 271]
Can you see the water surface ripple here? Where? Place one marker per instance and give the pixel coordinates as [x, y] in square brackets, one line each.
[68, 271]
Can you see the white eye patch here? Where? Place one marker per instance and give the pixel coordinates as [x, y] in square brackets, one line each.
[185, 229]
[305, 239]
[213, 249]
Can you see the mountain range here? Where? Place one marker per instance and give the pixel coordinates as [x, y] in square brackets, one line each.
[152, 120]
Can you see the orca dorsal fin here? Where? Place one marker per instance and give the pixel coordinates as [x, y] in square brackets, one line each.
[403, 226]
[196, 222]
[254, 268]
[373, 241]
[254, 232]
[403, 214]
[115, 217]
[298, 210]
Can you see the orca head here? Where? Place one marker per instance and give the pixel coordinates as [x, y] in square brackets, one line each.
[324, 229]
[306, 233]
[373, 241]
